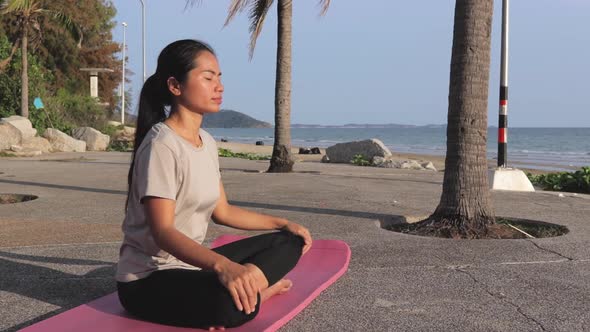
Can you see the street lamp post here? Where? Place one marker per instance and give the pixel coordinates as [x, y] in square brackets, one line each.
[143, 36]
[123, 78]
[503, 177]
[503, 116]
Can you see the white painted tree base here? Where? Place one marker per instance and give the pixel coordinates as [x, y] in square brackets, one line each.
[509, 179]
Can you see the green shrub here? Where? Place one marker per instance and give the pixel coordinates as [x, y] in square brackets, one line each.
[577, 182]
[10, 80]
[251, 156]
[120, 145]
[111, 130]
[360, 160]
[6, 154]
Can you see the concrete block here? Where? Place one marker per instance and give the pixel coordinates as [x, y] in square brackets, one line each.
[509, 179]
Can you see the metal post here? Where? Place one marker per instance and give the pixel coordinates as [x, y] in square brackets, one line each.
[123, 78]
[143, 37]
[503, 116]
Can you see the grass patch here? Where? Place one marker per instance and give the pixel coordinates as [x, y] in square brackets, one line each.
[6, 154]
[250, 156]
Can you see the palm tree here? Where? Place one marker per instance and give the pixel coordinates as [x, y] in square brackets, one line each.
[465, 206]
[27, 13]
[282, 160]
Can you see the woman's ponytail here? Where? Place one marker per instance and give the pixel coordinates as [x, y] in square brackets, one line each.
[152, 100]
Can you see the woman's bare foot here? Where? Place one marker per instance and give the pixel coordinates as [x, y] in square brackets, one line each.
[281, 287]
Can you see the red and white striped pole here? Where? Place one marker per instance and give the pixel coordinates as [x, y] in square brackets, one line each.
[503, 118]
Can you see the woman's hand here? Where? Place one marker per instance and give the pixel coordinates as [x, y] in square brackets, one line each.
[240, 281]
[300, 231]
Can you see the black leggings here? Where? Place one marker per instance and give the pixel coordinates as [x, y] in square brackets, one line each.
[195, 298]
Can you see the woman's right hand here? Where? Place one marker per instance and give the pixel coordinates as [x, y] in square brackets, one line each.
[240, 281]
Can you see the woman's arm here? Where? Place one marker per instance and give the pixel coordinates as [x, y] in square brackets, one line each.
[233, 216]
[235, 277]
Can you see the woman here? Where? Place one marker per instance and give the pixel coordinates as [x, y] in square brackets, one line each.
[164, 274]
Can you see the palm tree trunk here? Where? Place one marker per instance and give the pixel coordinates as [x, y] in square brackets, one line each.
[25, 75]
[4, 63]
[282, 160]
[465, 203]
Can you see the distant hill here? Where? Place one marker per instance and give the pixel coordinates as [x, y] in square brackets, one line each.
[232, 119]
[364, 125]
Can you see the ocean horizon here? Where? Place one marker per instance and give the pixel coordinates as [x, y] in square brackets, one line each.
[536, 148]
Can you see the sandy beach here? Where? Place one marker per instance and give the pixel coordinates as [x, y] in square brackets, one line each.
[437, 161]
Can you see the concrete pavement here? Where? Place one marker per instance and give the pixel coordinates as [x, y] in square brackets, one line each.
[59, 251]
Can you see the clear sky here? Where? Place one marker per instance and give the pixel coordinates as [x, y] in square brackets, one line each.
[379, 61]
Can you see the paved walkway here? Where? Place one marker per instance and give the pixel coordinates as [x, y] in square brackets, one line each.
[59, 251]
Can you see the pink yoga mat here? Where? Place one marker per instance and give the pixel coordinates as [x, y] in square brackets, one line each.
[326, 261]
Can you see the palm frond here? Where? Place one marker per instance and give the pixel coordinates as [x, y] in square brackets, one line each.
[258, 11]
[325, 4]
[14, 6]
[5, 62]
[66, 22]
[235, 7]
[192, 3]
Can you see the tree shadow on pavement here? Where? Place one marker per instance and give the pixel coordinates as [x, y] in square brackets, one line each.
[334, 212]
[52, 286]
[60, 186]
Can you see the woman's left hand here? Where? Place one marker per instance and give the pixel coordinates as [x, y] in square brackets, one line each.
[302, 232]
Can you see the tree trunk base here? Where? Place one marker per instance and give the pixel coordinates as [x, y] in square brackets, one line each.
[281, 161]
[457, 227]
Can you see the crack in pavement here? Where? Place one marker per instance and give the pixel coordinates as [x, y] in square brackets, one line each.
[500, 296]
[551, 251]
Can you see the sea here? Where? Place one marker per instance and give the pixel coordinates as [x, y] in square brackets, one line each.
[554, 149]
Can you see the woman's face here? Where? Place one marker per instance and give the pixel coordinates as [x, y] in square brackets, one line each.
[202, 91]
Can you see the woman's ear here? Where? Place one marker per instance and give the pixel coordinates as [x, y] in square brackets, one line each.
[173, 86]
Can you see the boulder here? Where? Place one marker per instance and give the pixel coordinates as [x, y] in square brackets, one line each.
[388, 163]
[403, 164]
[316, 150]
[428, 166]
[259, 142]
[95, 140]
[37, 144]
[125, 134]
[61, 142]
[16, 148]
[410, 164]
[27, 153]
[304, 151]
[325, 159]
[378, 161]
[345, 152]
[9, 136]
[22, 124]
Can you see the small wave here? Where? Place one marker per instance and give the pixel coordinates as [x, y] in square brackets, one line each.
[556, 153]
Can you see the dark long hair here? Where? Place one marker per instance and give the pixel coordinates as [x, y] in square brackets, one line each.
[175, 60]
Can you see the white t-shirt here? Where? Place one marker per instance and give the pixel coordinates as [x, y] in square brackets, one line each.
[168, 166]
